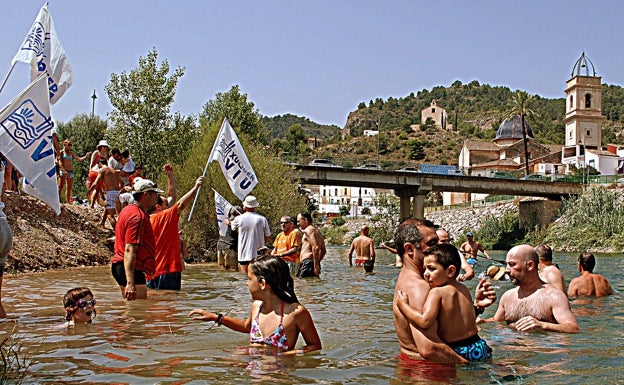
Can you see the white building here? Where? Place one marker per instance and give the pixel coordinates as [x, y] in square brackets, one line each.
[331, 198]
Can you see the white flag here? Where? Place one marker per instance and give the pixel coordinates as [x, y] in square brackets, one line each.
[26, 141]
[43, 50]
[223, 209]
[227, 150]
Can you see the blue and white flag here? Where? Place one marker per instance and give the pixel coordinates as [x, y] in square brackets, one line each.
[223, 209]
[26, 141]
[43, 51]
[227, 150]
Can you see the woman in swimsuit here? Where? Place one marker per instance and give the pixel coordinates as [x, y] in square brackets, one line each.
[66, 168]
[277, 318]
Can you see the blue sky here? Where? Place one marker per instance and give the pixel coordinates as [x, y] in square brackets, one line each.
[321, 58]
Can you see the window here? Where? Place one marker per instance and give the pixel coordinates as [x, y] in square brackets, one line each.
[588, 133]
[433, 110]
[571, 101]
[587, 100]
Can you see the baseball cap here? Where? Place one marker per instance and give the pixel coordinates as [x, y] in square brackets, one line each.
[144, 185]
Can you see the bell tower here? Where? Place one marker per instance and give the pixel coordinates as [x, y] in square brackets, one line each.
[583, 119]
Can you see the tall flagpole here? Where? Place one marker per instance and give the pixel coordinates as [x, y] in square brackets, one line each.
[206, 168]
[7, 77]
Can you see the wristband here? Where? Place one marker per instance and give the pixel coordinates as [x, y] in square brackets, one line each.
[219, 319]
[477, 310]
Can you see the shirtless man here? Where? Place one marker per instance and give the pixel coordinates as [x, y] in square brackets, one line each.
[471, 248]
[533, 305]
[364, 248]
[412, 238]
[312, 248]
[588, 283]
[445, 238]
[112, 183]
[548, 272]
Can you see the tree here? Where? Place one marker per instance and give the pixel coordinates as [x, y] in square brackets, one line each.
[241, 113]
[141, 121]
[522, 105]
[295, 136]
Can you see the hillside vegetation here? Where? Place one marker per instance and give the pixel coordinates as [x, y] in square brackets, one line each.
[475, 111]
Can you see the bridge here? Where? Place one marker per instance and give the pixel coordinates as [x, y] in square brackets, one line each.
[414, 186]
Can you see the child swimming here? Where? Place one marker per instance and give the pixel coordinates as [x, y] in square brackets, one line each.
[79, 305]
[449, 302]
[277, 318]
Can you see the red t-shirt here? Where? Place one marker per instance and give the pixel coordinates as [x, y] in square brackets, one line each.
[133, 227]
[165, 226]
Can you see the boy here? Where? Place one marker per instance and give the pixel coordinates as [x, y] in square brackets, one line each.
[449, 302]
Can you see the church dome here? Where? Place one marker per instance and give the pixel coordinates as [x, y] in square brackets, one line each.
[512, 129]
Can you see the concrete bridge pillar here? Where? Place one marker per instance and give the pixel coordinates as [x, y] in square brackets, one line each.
[405, 207]
[419, 206]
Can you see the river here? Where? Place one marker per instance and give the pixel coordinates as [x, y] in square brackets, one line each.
[153, 341]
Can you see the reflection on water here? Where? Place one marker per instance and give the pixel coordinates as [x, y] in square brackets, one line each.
[153, 341]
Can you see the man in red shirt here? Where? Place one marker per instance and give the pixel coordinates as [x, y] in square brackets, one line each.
[164, 220]
[135, 243]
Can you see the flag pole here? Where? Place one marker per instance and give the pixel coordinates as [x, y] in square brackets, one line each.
[7, 77]
[206, 170]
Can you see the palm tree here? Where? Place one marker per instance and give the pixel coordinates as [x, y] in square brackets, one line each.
[521, 105]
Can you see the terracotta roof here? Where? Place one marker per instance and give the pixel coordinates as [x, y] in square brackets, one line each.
[473, 145]
[496, 163]
[603, 153]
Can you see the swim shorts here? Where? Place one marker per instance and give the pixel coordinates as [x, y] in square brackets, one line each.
[306, 268]
[168, 281]
[111, 199]
[471, 261]
[119, 273]
[472, 348]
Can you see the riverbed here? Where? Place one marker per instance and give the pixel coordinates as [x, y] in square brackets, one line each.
[153, 341]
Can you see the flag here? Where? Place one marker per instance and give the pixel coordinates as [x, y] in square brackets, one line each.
[26, 141]
[223, 209]
[227, 150]
[43, 51]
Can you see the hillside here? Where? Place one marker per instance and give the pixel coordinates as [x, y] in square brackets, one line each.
[474, 110]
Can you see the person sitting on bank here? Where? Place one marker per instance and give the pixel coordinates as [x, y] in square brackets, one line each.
[449, 302]
[589, 284]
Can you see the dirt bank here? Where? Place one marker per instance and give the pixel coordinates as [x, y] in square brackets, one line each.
[42, 240]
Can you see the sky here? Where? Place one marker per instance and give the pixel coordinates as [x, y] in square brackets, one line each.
[319, 59]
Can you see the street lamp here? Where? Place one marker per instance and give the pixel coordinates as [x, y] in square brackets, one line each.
[378, 135]
[93, 105]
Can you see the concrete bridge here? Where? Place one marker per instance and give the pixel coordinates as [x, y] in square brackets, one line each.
[412, 186]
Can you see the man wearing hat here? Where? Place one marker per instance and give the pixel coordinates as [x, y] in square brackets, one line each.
[135, 244]
[253, 232]
[471, 248]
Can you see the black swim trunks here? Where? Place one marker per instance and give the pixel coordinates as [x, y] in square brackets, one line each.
[306, 268]
[119, 273]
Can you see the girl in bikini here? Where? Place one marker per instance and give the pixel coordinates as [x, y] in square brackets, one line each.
[277, 318]
[79, 306]
[66, 168]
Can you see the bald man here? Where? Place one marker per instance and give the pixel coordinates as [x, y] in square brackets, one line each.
[533, 305]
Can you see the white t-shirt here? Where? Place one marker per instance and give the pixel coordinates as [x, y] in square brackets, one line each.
[252, 228]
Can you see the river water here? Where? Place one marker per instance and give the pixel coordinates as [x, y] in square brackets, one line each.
[153, 341]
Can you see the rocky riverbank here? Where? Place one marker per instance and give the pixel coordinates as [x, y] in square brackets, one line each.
[42, 240]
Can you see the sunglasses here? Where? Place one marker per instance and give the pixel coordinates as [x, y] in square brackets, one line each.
[284, 223]
[83, 304]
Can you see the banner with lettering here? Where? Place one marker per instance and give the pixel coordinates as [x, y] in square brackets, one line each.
[227, 150]
[223, 209]
[43, 51]
[26, 141]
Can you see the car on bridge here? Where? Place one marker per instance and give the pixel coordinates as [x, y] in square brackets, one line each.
[503, 175]
[408, 169]
[369, 166]
[538, 177]
[323, 163]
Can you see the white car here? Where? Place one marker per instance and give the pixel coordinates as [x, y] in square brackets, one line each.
[369, 166]
[323, 163]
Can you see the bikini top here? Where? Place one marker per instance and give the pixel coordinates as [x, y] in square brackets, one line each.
[277, 338]
[65, 156]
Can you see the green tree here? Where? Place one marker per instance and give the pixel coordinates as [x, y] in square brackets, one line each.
[295, 136]
[522, 105]
[141, 121]
[241, 113]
